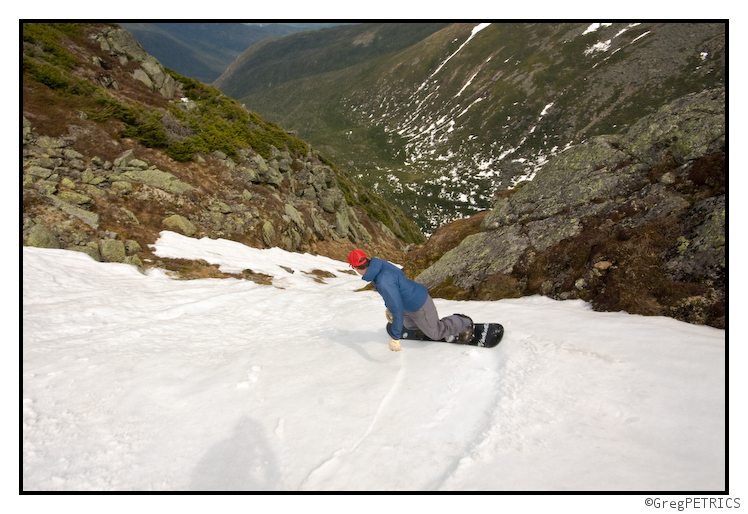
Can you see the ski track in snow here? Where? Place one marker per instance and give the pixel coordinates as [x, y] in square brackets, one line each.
[507, 384]
[327, 468]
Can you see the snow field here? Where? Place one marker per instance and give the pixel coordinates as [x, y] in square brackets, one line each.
[143, 382]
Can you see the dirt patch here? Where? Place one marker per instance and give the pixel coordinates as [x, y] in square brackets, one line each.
[320, 275]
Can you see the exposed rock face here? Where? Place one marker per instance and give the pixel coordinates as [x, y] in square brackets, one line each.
[649, 204]
[123, 45]
[102, 207]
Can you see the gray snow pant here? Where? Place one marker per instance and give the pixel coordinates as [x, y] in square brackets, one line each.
[427, 319]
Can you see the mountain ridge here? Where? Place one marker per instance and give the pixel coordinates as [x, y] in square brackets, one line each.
[201, 51]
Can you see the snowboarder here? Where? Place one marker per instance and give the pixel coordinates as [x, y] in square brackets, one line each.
[408, 303]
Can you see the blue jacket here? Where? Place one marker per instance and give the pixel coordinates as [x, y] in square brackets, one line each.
[399, 293]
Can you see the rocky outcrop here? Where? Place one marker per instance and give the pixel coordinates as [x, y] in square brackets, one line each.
[101, 207]
[633, 221]
[120, 43]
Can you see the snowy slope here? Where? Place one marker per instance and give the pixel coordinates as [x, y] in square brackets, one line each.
[143, 382]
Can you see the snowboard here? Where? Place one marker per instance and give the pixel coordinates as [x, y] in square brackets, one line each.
[486, 335]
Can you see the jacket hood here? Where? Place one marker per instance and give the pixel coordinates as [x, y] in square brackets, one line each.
[375, 266]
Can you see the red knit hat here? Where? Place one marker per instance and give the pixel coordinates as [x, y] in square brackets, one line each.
[356, 258]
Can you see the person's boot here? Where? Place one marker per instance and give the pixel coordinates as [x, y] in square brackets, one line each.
[465, 336]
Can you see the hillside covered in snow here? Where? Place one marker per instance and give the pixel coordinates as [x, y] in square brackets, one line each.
[140, 382]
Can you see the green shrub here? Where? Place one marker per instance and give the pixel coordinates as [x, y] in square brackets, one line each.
[185, 149]
[46, 74]
[56, 79]
[48, 35]
[221, 123]
[150, 132]
[111, 108]
[297, 146]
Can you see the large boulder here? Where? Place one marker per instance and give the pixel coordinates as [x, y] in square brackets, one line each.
[178, 222]
[120, 42]
[159, 179]
[112, 250]
[158, 77]
[41, 237]
[268, 233]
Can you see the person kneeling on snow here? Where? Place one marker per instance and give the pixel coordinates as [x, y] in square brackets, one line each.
[408, 303]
